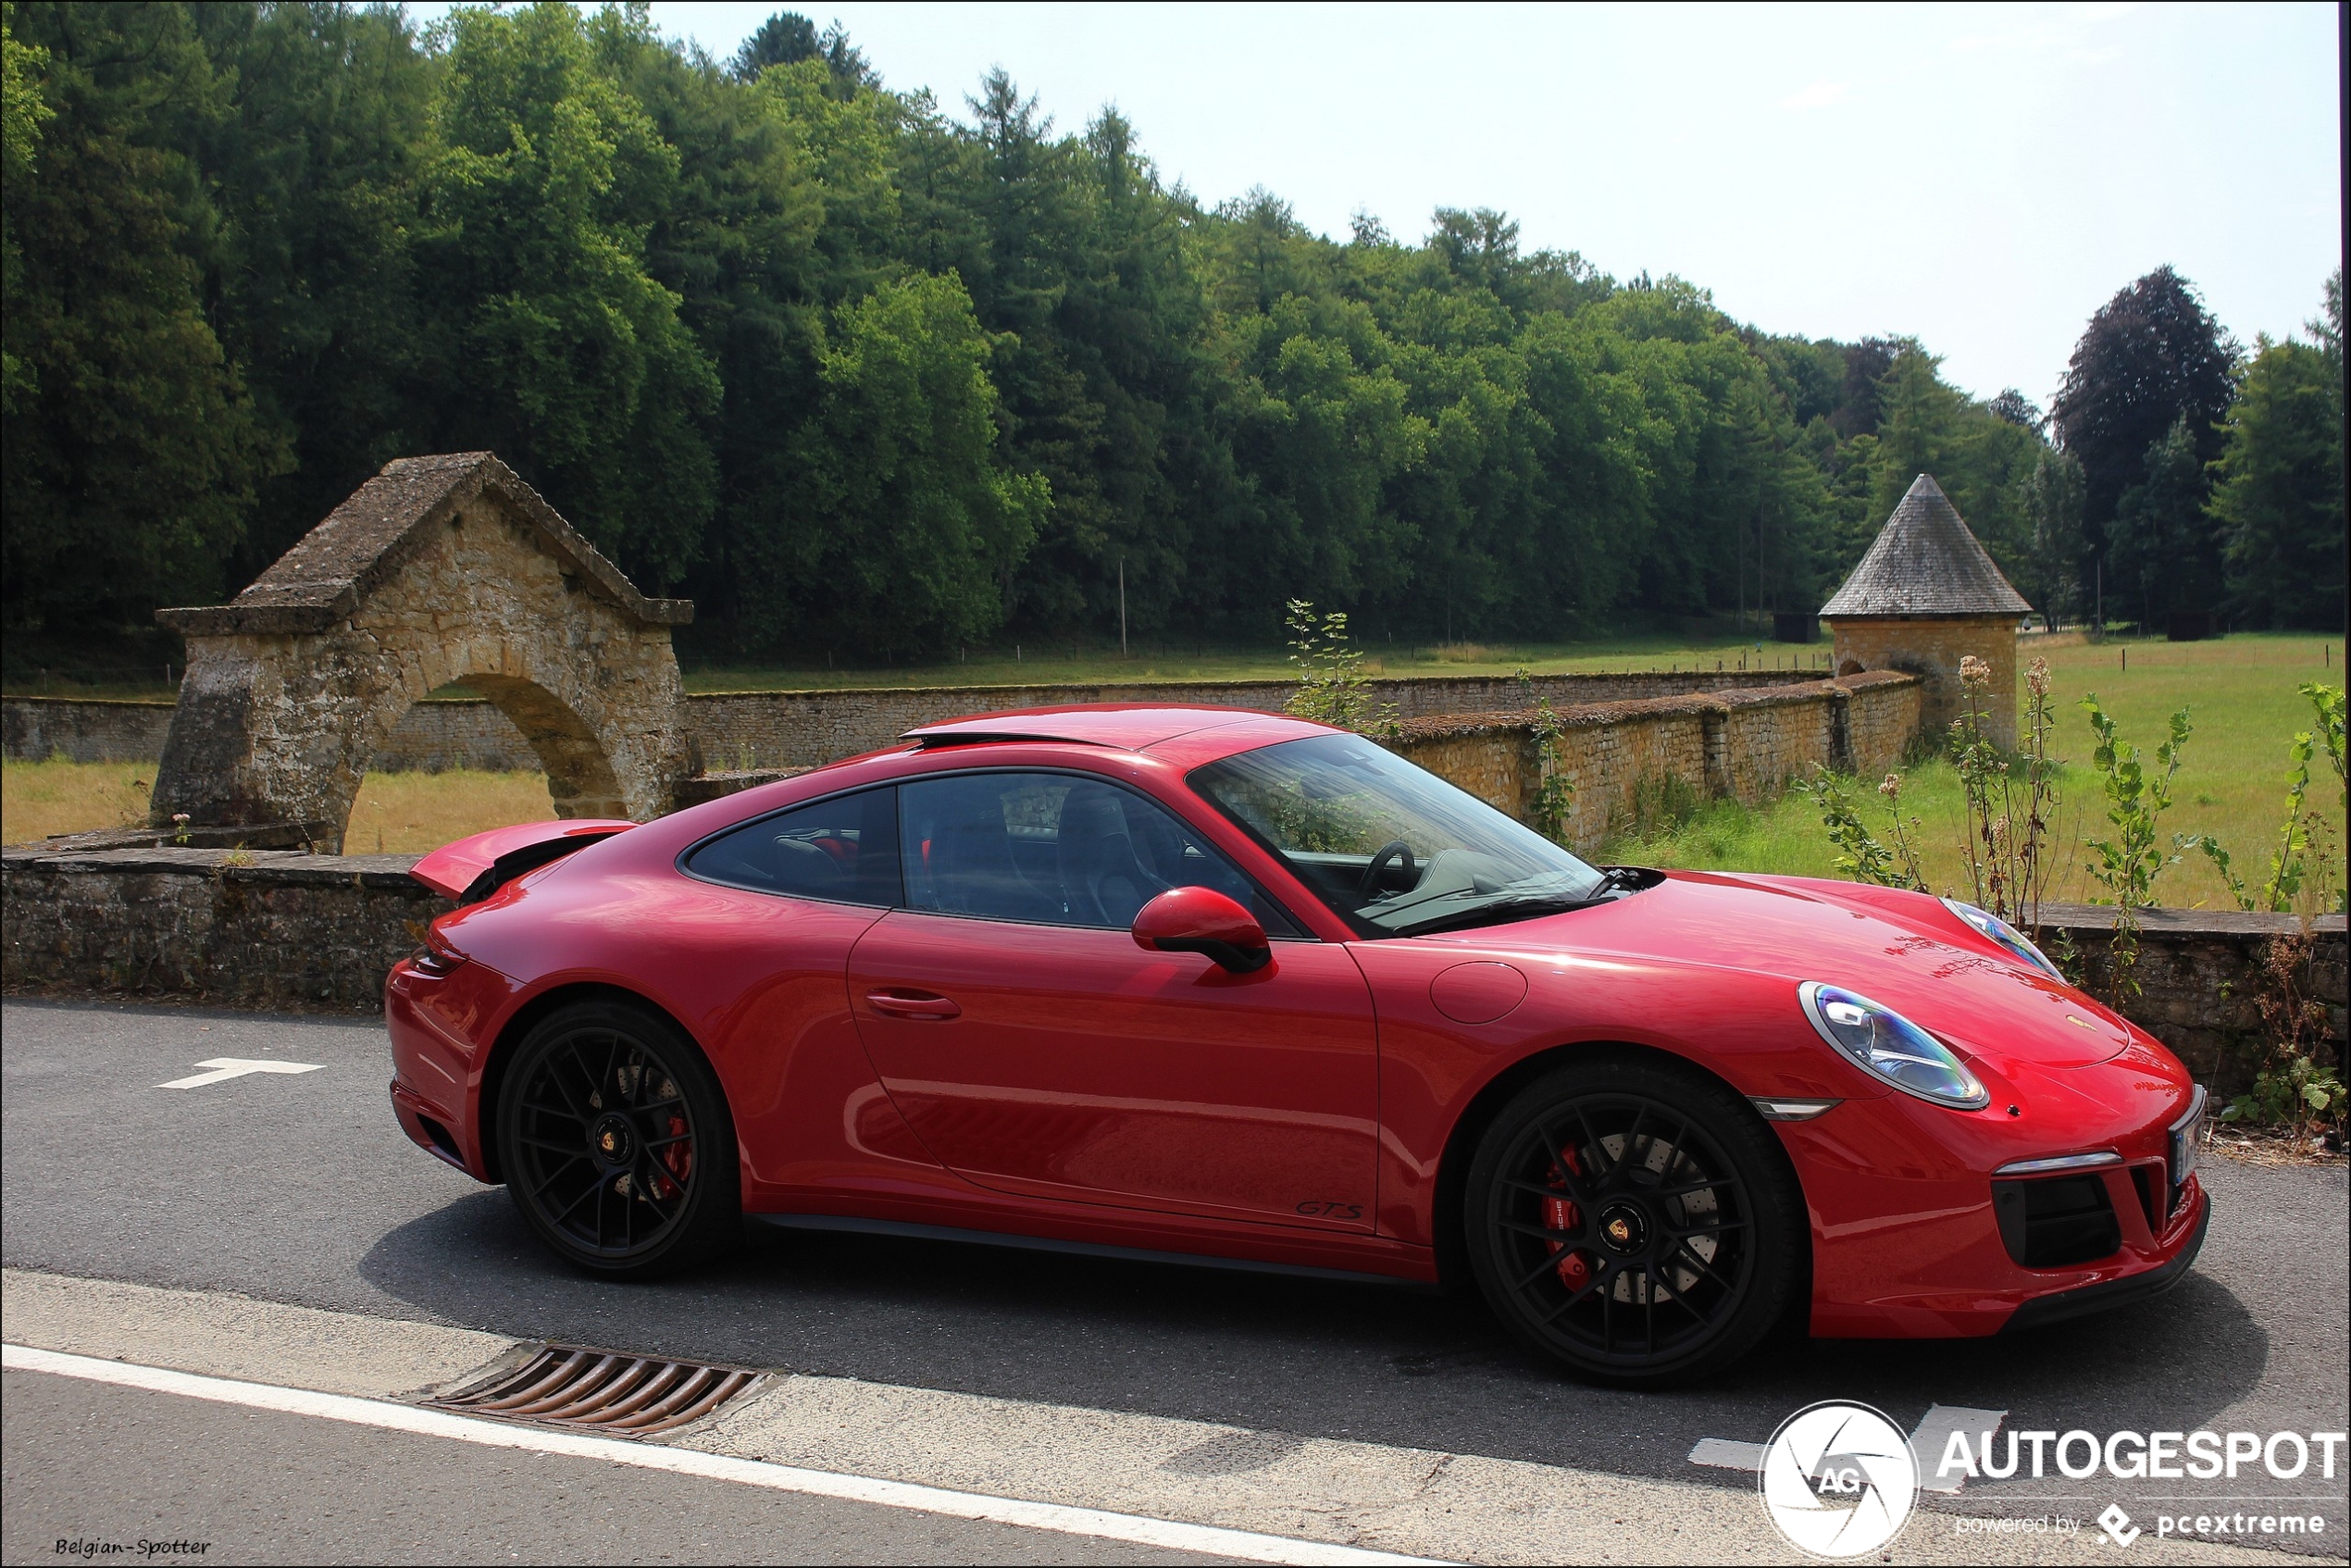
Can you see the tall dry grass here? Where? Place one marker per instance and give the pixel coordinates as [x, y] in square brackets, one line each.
[395, 813]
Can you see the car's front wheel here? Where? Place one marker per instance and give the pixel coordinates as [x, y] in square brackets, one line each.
[1635, 1219]
[616, 1142]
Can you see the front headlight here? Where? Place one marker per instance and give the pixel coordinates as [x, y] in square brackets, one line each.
[2007, 935]
[1889, 1046]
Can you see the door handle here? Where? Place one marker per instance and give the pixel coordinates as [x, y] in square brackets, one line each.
[898, 1006]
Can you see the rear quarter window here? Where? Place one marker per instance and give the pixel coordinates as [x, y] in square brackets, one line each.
[843, 849]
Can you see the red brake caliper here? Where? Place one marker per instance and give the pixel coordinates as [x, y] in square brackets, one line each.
[1559, 1213]
[679, 1157]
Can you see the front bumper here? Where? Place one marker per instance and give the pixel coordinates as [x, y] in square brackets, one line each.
[2128, 1290]
[1906, 1238]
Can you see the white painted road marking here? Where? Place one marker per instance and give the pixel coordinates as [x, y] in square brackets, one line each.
[1214, 1540]
[1933, 1439]
[224, 1067]
[1934, 1435]
[1724, 1455]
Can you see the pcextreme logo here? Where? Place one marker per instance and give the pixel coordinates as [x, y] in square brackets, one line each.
[1839, 1479]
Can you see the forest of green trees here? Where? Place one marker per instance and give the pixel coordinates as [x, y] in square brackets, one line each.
[870, 375]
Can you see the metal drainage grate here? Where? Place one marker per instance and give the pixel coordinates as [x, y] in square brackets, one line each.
[599, 1391]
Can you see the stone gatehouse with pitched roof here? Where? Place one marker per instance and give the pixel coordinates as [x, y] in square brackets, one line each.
[439, 569]
[1925, 596]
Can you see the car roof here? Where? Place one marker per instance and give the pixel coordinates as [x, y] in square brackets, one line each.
[1131, 727]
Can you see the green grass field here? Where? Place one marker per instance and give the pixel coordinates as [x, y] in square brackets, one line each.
[2240, 691]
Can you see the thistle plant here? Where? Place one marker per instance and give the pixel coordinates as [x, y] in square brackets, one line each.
[2128, 862]
[1861, 855]
[2010, 800]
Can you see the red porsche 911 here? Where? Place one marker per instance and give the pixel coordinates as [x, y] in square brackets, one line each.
[1206, 984]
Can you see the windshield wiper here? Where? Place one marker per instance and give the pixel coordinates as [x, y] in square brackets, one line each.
[1523, 907]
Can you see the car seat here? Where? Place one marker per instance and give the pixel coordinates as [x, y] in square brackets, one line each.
[1102, 883]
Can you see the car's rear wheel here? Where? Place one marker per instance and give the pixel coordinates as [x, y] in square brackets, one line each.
[1635, 1219]
[616, 1142]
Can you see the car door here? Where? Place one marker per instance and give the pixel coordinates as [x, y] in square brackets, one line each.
[1036, 1049]
[767, 940]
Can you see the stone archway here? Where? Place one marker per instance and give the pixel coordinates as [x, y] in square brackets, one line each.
[438, 569]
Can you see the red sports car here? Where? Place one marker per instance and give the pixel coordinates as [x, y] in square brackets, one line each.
[1231, 986]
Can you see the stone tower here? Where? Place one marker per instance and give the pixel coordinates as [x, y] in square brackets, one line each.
[1923, 598]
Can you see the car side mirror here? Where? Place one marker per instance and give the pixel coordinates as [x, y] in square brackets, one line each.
[1203, 920]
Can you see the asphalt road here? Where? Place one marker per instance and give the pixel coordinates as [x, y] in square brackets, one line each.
[272, 1487]
[300, 1188]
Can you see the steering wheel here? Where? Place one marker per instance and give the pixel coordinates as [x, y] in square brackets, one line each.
[1395, 849]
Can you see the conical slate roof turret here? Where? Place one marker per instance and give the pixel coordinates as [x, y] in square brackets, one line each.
[1926, 561]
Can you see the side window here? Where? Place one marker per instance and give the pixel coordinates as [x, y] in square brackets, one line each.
[1053, 848]
[844, 849]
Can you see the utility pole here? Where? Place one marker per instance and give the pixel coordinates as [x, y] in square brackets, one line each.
[1122, 606]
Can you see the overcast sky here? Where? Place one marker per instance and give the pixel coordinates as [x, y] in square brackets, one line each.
[1980, 176]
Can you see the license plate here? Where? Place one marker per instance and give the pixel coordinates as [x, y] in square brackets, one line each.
[2187, 1134]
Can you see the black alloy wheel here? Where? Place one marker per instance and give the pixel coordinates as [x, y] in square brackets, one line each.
[1636, 1220]
[616, 1142]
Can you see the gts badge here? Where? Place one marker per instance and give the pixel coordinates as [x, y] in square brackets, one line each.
[1315, 1209]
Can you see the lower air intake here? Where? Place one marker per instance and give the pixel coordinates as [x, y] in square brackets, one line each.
[598, 1391]
[2057, 1221]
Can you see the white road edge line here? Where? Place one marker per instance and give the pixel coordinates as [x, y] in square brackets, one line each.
[1214, 1540]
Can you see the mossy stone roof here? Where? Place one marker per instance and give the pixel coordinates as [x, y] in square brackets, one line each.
[1927, 562]
[361, 542]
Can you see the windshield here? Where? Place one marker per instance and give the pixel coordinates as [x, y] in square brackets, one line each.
[1391, 848]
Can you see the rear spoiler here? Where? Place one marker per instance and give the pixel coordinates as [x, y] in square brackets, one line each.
[472, 869]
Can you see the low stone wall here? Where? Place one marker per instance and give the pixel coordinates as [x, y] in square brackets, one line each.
[239, 928]
[1745, 744]
[281, 929]
[761, 730]
[2204, 976]
[742, 730]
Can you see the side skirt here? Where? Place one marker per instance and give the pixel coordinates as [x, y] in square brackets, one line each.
[1083, 1249]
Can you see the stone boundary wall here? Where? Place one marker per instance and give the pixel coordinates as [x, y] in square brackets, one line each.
[431, 737]
[742, 730]
[83, 728]
[765, 729]
[238, 928]
[441, 734]
[279, 929]
[1744, 744]
[2203, 977]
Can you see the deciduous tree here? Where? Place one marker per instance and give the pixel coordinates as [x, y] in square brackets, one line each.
[2151, 358]
[2280, 480]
